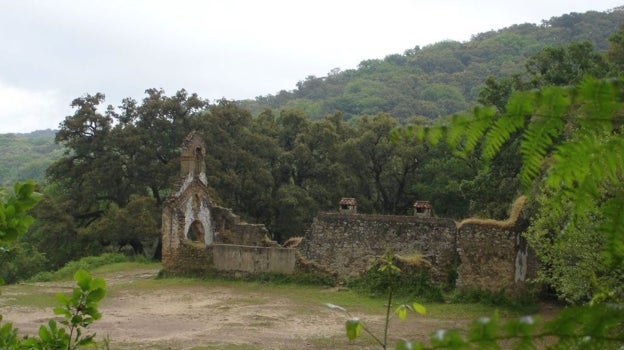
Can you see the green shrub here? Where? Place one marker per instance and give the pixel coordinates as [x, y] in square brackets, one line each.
[20, 261]
[315, 279]
[88, 263]
[413, 282]
[524, 302]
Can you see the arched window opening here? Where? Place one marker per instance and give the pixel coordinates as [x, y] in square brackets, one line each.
[196, 232]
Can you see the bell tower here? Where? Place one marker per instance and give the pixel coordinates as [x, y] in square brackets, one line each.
[192, 162]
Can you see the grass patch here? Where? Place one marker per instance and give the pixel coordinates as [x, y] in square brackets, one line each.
[88, 263]
[310, 298]
[27, 295]
[306, 279]
[124, 266]
[523, 303]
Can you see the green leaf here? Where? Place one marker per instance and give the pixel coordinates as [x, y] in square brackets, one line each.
[354, 328]
[419, 308]
[401, 311]
[24, 190]
[83, 279]
[62, 298]
[97, 283]
[95, 296]
[44, 334]
[61, 311]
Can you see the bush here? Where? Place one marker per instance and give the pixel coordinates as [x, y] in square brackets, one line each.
[524, 302]
[88, 263]
[20, 261]
[413, 282]
[314, 279]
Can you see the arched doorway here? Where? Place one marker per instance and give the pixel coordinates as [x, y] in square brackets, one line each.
[196, 232]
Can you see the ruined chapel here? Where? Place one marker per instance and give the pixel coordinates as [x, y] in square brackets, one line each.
[198, 236]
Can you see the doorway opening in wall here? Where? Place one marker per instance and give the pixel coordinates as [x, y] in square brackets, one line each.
[196, 232]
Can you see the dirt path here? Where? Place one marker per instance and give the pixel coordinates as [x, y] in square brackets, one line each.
[185, 317]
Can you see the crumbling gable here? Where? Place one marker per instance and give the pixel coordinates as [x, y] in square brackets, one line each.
[199, 236]
[186, 213]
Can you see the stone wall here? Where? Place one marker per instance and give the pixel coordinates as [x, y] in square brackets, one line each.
[189, 258]
[250, 259]
[192, 258]
[230, 230]
[484, 254]
[349, 243]
[493, 257]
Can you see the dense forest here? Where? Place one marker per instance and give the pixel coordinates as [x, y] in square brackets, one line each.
[26, 156]
[279, 160]
[439, 79]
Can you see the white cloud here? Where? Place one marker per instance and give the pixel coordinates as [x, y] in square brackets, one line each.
[23, 110]
[59, 50]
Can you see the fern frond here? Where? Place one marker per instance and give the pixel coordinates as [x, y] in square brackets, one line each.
[612, 158]
[520, 106]
[457, 130]
[572, 162]
[434, 134]
[407, 132]
[483, 118]
[613, 228]
[546, 126]
[599, 99]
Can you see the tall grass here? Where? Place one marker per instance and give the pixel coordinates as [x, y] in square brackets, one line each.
[88, 263]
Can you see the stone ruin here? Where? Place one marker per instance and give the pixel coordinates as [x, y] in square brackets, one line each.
[199, 236]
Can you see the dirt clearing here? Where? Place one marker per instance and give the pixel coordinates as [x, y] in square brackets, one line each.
[141, 312]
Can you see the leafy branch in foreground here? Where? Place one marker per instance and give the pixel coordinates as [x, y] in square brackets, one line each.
[583, 327]
[597, 326]
[78, 310]
[14, 219]
[354, 325]
[572, 148]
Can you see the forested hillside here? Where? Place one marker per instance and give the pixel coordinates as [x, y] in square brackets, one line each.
[440, 79]
[436, 80]
[26, 156]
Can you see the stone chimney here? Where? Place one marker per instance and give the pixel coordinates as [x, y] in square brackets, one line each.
[423, 209]
[348, 205]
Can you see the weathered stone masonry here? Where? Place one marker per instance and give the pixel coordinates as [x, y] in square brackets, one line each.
[485, 254]
[198, 236]
[349, 243]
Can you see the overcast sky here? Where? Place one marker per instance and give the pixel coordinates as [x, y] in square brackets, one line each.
[56, 50]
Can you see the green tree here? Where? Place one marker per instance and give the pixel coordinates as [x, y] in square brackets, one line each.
[615, 54]
[571, 143]
[112, 157]
[566, 65]
[380, 169]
